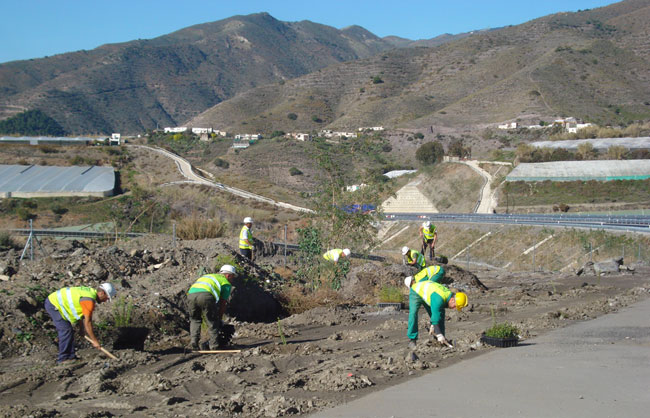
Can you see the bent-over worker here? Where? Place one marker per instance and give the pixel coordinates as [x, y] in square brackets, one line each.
[431, 273]
[413, 257]
[67, 306]
[207, 298]
[246, 241]
[429, 238]
[335, 254]
[435, 298]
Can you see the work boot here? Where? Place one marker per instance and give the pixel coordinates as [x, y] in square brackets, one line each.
[194, 346]
[412, 344]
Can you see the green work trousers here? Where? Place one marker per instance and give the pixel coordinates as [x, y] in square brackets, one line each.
[203, 305]
[415, 301]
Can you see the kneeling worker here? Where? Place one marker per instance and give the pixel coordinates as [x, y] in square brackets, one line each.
[207, 297]
[67, 306]
[413, 257]
[435, 298]
[431, 273]
[335, 254]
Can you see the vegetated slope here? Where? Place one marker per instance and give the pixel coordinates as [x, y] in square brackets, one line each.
[591, 64]
[140, 84]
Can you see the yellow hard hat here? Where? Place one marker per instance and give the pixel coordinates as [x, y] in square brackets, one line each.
[461, 300]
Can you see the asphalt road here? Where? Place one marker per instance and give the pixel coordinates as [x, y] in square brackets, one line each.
[598, 368]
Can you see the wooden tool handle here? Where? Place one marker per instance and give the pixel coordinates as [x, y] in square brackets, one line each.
[102, 349]
[217, 351]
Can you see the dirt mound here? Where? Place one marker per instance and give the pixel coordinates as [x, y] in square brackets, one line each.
[362, 280]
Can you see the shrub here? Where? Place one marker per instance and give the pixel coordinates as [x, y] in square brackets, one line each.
[316, 119]
[418, 135]
[502, 330]
[6, 242]
[292, 116]
[29, 204]
[59, 210]
[294, 171]
[221, 163]
[276, 134]
[386, 148]
[195, 227]
[25, 214]
[377, 80]
[122, 312]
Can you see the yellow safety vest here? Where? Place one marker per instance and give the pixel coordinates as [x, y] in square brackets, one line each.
[211, 283]
[67, 301]
[242, 239]
[419, 258]
[329, 256]
[426, 274]
[426, 288]
[429, 232]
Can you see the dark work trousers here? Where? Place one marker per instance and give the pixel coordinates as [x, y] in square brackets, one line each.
[202, 304]
[246, 252]
[66, 333]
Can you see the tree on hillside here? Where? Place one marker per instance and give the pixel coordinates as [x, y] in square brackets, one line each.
[616, 152]
[31, 122]
[586, 151]
[430, 152]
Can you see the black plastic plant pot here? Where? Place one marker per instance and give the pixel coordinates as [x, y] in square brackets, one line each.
[130, 338]
[500, 342]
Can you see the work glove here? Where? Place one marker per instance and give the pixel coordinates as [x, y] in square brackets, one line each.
[431, 330]
[442, 340]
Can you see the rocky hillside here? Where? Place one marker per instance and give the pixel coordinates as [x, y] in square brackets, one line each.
[136, 85]
[592, 64]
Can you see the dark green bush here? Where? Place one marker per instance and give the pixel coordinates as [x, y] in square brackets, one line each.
[294, 171]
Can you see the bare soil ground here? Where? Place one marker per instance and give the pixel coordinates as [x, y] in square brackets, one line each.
[305, 362]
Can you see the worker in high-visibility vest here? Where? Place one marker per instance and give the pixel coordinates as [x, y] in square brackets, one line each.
[431, 273]
[429, 237]
[67, 306]
[435, 298]
[246, 241]
[207, 299]
[336, 254]
[413, 258]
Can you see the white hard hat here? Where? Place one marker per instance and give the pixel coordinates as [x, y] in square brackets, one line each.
[108, 289]
[405, 250]
[227, 268]
[346, 251]
[426, 224]
[248, 220]
[407, 281]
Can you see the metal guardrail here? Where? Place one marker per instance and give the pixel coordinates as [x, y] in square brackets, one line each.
[637, 223]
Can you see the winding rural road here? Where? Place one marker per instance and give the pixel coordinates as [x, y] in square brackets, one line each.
[188, 172]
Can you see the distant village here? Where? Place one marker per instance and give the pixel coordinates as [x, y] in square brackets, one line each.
[245, 140]
[571, 125]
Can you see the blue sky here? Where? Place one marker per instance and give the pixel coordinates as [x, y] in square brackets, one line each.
[37, 28]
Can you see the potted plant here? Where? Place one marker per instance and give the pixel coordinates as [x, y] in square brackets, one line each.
[390, 296]
[501, 335]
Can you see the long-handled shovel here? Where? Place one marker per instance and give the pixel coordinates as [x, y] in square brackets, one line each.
[102, 349]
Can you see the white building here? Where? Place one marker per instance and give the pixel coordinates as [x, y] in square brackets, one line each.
[115, 139]
[575, 127]
[511, 125]
[299, 136]
[248, 137]
[199, 131]
[175, 130]
[371, 128]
